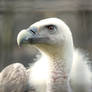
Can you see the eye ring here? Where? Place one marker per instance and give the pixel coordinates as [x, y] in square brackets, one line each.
[51, 28]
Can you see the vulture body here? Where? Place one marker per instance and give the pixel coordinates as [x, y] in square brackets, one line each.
[61, 68]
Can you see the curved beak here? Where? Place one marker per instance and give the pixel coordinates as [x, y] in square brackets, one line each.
[23, 37]
[30, 36]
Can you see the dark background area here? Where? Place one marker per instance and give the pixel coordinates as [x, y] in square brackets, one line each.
[16, 15]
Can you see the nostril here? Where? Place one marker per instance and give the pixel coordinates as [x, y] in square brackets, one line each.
[33, 31]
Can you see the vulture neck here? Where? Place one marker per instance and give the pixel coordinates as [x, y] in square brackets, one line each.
[60, 63]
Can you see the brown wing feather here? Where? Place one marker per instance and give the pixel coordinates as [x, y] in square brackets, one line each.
[13, 78]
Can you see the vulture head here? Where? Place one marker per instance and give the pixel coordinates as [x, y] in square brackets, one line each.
[51, 36]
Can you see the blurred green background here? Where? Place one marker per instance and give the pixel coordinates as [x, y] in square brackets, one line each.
[16, 15]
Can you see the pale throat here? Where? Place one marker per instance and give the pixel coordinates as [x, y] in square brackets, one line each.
[60, 60]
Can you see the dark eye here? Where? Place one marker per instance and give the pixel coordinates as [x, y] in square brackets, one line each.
[50, 27]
